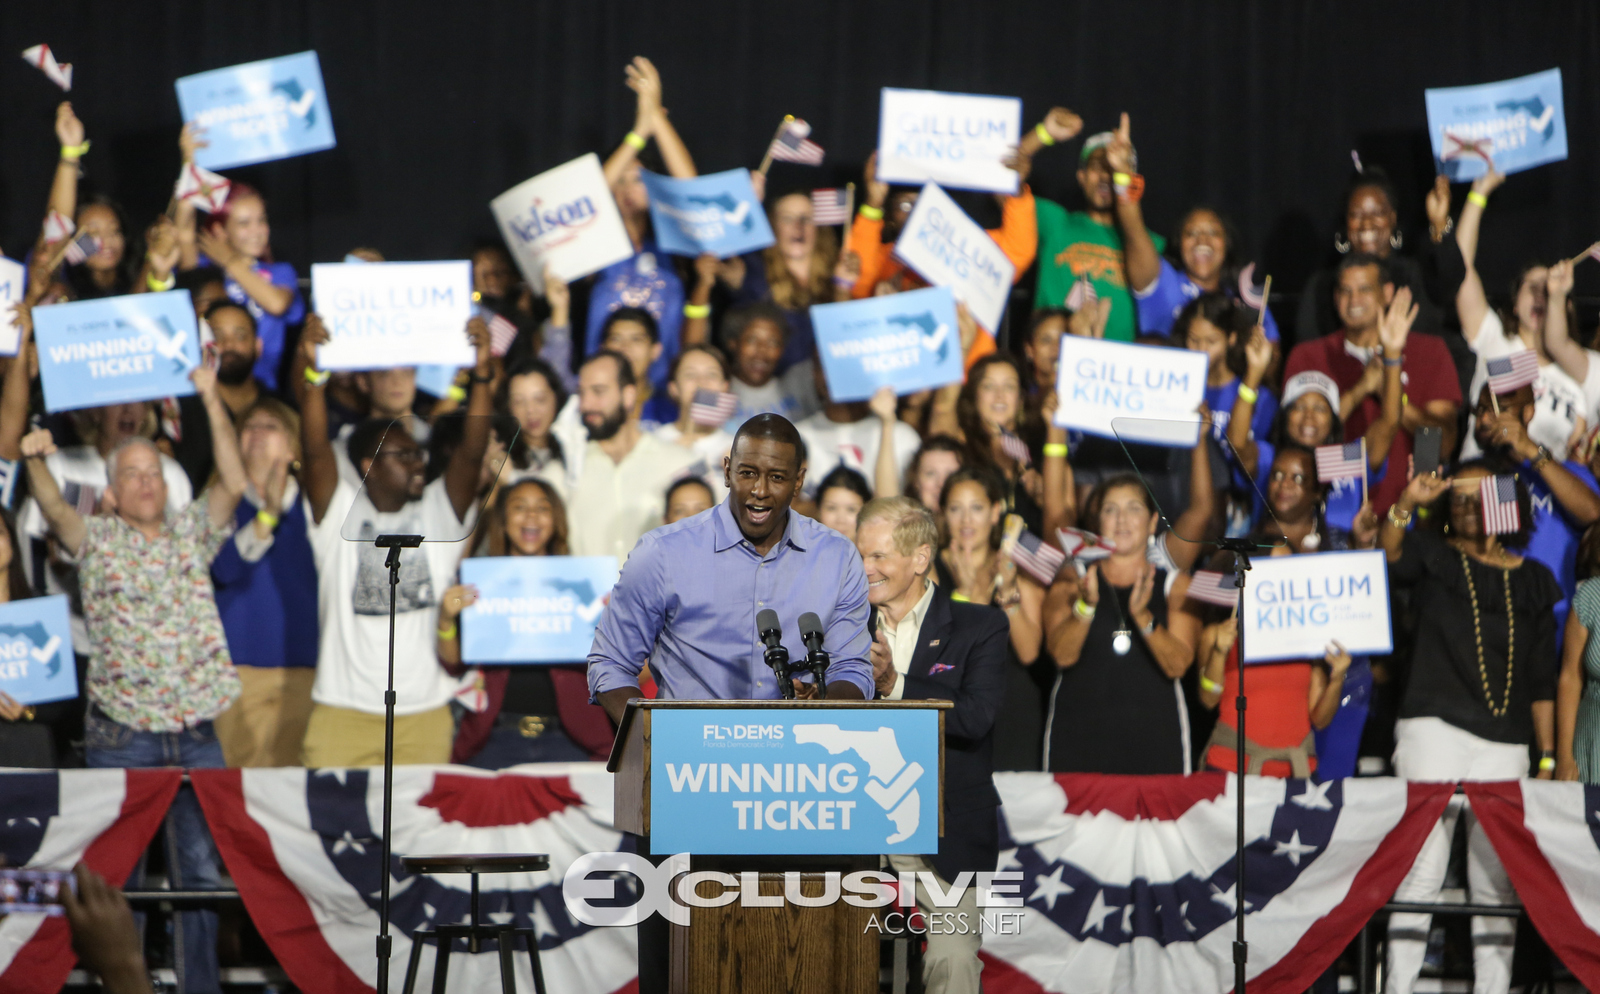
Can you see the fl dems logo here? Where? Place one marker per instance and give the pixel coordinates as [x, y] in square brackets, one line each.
[27, 649]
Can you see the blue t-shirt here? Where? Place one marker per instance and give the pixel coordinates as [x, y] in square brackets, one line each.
[1171, 293]
[270, 327]
[1220, 401]
[645, 279]
[1555, 537]
[1343, 497]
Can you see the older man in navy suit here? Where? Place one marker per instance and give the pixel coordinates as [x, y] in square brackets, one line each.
[927, 647]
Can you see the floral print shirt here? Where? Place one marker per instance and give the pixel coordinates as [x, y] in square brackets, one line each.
[158, 659]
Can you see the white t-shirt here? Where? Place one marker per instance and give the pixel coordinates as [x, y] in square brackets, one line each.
[853, 444]
[353, 601]
[792, 394]
[1559, 400]
[80, 472]
[708, 449]
[615, 503]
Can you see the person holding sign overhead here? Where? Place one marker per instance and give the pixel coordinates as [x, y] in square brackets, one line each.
[159, 667]
[535, 713]
[346, 727]
[647, 278]
[109, 268]
[1480, 693]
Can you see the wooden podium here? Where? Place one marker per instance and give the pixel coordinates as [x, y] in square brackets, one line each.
[787, 949]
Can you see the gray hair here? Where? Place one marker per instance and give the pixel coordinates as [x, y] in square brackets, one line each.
[914, 524]
[127, 443]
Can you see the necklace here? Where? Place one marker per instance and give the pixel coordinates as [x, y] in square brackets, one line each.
[1477, 635]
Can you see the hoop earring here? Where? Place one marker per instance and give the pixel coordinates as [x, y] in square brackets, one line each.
[1340, 244]
[1396, 240]
[1447, 527]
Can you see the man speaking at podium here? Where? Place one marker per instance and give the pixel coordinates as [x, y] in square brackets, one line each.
[688, 597]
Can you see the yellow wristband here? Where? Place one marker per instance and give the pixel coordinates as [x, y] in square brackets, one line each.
[267, 518]
[1546, 763]
[696, 310]
[1043, 134]
[1474, 197]
[1121, 179]
[447, 634]
[1053, 450]
[635, 141]
[160, 286]
[1247, 393]
[871, 213]
[1084, 609]
[1210, 686]
[315, 378]
[456, 393]
[72, 153]
[958, 596]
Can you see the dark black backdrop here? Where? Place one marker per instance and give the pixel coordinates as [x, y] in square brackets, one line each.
[438, 106]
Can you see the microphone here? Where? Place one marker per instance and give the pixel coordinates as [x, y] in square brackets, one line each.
[816, 659]
[776, 656]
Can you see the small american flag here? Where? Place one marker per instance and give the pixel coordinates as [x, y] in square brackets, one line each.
[84, 497]
[1016, 448]
[57, 226]
[1499, 496]
[710, 409]
[1084, 546]
[1593, 252]
[830, 206]
[1248, 293]
[792, 144]
[1341, 462]
[1510, 373]
[1081, 295]
[1211, 587]
[502, 332]
[1037, 559]
[82, 248]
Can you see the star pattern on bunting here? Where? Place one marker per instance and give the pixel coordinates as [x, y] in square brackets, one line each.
[1050, 887]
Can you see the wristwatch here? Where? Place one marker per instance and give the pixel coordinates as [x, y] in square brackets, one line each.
[1540, 459]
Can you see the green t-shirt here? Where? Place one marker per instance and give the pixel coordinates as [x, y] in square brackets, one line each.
[1071, 244]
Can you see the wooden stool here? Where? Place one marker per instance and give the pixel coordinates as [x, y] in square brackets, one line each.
[445, 935]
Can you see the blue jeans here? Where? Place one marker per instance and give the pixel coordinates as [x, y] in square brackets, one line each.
[192, 862]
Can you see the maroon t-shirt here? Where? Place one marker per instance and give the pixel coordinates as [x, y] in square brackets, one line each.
[1427, 373]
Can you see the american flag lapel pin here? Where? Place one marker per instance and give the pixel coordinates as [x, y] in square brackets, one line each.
[933, 643]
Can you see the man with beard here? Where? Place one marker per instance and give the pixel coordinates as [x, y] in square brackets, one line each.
[1562, 493]
[625, 471]
[238, 348]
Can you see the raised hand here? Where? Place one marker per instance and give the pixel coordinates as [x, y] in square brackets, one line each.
[457, 599]
[1139, 598]
[204, 378]
[644, 80]
[161, 247]
[559, 296]
[1489, 181]
[1120, 155]
[1257, 354]
[884, 403]
[1089, 589]
[1364, 527]
[38, 444]
[216, 248]
[848, 268]
[705, 269]
[478, 335]
[1559, 282]
[883, 671]
[313, 334]
[731, 272]
[1062, 124]
[69, 130]
[10, 710]
[968, 325]
[1338, 660]
[877, 192]
[1424, 490]
[1437, 204]
[1395, 324]
[190, 141]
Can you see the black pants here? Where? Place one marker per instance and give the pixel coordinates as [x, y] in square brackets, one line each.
[654, 935]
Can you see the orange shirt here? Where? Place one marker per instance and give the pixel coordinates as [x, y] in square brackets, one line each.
[1017, 236]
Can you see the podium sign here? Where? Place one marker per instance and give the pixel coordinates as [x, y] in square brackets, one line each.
[780, 781]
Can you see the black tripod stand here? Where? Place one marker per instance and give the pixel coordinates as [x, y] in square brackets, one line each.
[394, 543]
[1240, 547]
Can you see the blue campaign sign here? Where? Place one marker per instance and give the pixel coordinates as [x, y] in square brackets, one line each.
[534, 609]
[1520, 122]
[718, 213]
[259, 111]
[741, 781]
[116, 349]
[909, 341]
[36, 664]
